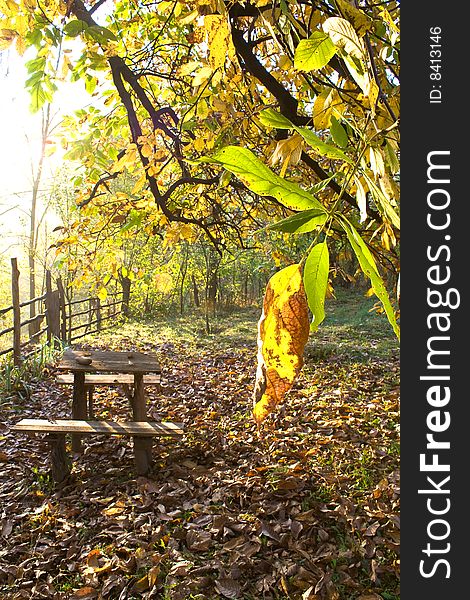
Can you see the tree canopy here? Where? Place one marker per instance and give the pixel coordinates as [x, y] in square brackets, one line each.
[221, 118]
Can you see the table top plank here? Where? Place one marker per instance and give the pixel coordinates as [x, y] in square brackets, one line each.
[109, 362]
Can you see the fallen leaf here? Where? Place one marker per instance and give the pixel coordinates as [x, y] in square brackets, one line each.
[228, 587]
[84, 593]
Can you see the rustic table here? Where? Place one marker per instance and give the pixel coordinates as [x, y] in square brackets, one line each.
[81, 362]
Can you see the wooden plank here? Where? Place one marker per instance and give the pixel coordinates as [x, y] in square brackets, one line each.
[93, 379]
[119, 362]
[144, 428]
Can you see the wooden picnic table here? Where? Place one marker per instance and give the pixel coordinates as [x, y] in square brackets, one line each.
[136, 363]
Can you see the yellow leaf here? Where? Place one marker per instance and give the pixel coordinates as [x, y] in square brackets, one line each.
[373, 94]
[6, 38]
[282, 334]
[20, 45]
[202, 109]
[189, 18]
[360, 21]
[127, 160]
[343, 35]
[323, 108]
[188, 67]
[102, 295]
[198, 144]
[9, 8]
[201, 76]
[219, 40]
[139, 184]
[361, 199]
[288, 152]
[376, 162]
[390, 22]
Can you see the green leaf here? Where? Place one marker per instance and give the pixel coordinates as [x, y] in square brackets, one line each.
[369, 268]
[100, 34]
[338, 133]
[316, 271]
[34, 79]
[36, 64]
[314, 53]
[302, 222]
[261, 180]
[382, 201]
[391, 158]
[75, 27]
[39, 96]
[321, 185]
[134, 221]
[272, 118]
[322, 147]
[90, 84]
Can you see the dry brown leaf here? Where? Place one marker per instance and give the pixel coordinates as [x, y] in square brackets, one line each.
[229, 588]
[142, 584]
[198, 541]
[84, 593]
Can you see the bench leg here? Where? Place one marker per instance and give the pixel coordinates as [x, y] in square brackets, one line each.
[91, 413]
[60, 462]
[142, 445]
[79, 407]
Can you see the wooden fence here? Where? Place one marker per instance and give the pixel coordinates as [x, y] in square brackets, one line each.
[57, 318]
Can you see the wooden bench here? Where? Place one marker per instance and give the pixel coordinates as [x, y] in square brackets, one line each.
[91, 380]
[60, 462]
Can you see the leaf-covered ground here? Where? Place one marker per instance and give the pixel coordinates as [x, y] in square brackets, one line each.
[309, 510]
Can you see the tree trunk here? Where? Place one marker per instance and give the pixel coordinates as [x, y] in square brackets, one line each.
[183, 271]
[126, 295]
[33, 233]
[197, 302]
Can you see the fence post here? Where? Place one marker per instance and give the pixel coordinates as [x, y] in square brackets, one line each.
[63, 315]
[52, 309]
[15, 297]
[98, 314]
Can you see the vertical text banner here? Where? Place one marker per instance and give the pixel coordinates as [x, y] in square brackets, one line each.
[435, 415]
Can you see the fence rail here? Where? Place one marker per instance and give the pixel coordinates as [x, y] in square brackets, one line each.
[63, 317]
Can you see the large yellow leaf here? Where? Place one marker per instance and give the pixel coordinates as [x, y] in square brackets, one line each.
[282, 334]
[344, 36]
[219, 40]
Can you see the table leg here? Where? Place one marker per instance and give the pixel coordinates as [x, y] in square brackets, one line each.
[142, 445]
[79, 408]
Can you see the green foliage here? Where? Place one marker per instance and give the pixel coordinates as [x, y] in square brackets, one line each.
[315, 278]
